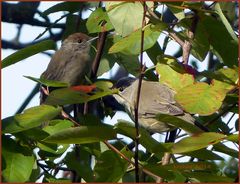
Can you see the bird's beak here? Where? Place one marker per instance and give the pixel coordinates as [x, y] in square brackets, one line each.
[92, 39]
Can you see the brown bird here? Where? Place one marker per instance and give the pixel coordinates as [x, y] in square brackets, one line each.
[71, 62]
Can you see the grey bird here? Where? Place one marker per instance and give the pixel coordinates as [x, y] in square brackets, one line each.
[155, 98]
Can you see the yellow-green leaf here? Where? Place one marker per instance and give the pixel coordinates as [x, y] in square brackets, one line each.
[200, 98]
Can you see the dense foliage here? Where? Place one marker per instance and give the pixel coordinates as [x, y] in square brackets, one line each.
[40, 143]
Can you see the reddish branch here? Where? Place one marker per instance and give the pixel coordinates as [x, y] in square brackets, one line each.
[136, 106]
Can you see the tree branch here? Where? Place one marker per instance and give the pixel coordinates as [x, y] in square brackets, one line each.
[136, 105]
[190, 34]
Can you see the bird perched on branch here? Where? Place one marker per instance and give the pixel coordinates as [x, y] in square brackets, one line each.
[155, 98]
[71, 62]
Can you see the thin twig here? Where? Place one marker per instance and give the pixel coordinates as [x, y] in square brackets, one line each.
[176, 38]
[128, 160]
[230, 118]
[51, 26]
[136, 105]
[100, 45]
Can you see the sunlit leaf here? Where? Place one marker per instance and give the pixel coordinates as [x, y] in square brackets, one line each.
[131, 45]
[200, 98]
[171, 73]
[126, 17]
[233, 137]
[18, 166]
[98, 21]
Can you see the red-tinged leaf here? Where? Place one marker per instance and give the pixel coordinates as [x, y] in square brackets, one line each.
[84, 88]
[173, 74]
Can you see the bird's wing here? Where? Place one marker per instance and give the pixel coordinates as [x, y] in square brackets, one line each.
[158, 99]
[56, 67]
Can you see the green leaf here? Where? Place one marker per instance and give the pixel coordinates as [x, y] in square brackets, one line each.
[207, 177]
[197, 141]
[28, 51]
[96, 19]
[219, 37]
[200, 98]
[225, 149]
[204, 154]
[66, 96]
[233, 138]
[30, 118]
[82, 135]
[57, 125]
[33, 134]
[227, 75]
[160, 170]
[179, 123]
[80, 163]
[65, 6]
[131, 45]
[105, 66]
[18, 166]
[110, 167]
[191, 166]
[154, 52]
[126, 17]
[171, 73]
[46, 82]
[129, 62]
[35, 116]
[179, 13]
[48, 147]
[128, 129]
[34, 175]
[228, 26]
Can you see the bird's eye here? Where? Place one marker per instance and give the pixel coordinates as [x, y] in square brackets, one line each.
[79, 41]
[121, 89]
